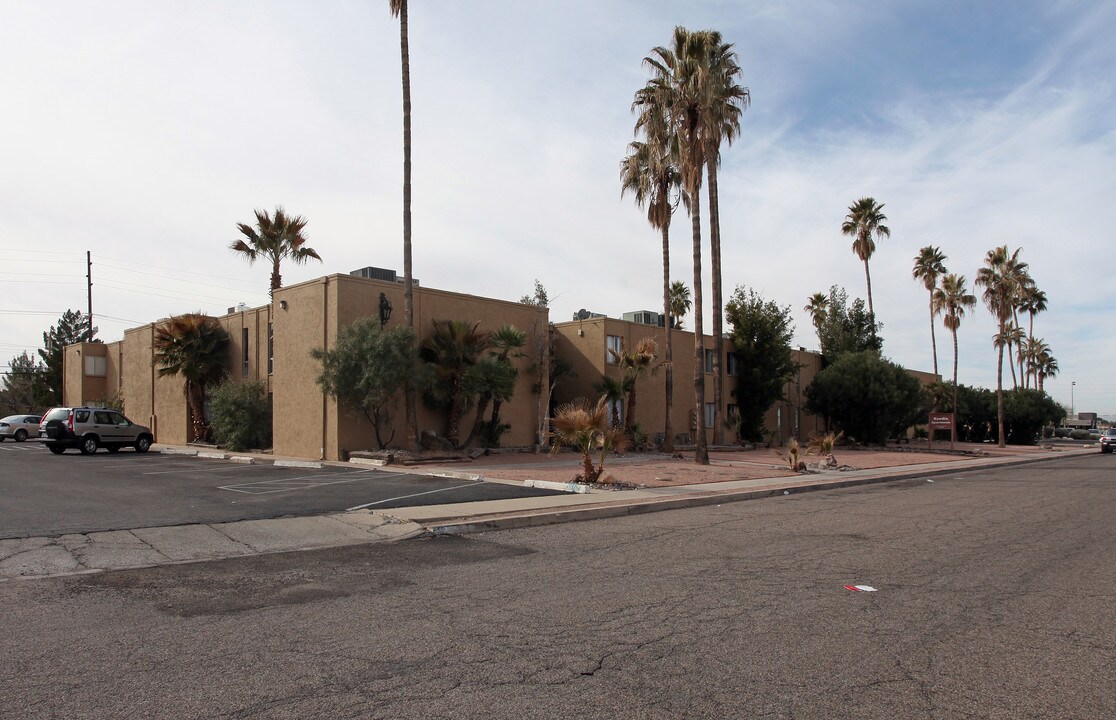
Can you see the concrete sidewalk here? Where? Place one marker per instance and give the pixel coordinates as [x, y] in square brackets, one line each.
[146, 547]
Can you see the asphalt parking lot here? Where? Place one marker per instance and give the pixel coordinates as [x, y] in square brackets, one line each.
[46, 495]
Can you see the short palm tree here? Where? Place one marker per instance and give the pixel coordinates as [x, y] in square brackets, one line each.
[452, 348]
[275, 238]
[952, 299]
[195, 346]
[635, 364]
[865, 224]
[929, 265]
[611, 390]
[1001, 277]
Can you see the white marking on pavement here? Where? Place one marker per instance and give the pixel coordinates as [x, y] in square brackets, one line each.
[404, 497]
[283, 484]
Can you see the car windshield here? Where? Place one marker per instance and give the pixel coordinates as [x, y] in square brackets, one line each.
[11, 419]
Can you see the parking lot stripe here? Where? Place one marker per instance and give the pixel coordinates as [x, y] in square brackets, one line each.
[267, 487]
[404, 497]
[194, 469]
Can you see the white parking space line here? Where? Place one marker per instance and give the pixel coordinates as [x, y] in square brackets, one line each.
[404, 497]
[266, 487]
[191, 469]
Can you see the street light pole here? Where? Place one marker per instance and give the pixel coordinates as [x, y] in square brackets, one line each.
[1072, 411]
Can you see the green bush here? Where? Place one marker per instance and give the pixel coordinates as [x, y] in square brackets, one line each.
[869, 397]
[1079, 434]
[240, 415]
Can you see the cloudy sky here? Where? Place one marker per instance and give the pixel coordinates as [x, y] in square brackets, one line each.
[144, 131]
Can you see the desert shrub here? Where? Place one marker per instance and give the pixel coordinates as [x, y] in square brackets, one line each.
[1079, 434]
[240, 415]
[868, 397]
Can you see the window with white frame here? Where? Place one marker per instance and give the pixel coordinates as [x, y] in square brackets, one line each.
[710, 414]
[614, 348]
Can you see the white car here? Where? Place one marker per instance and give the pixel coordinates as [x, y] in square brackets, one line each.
[19, 427]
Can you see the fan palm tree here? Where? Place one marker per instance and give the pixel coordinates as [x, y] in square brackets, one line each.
[650, 172]
[865, 224]
[635, 364]
[929, 265]
[399, 9]
[1000, 278]
[611, 391]
[1033, 302]
[1033, 349]
[952, 300]
[818, 307]
[195, 346]
[505, 342]
[275, 238]
[452, 348]
[725, 100]
[1046, 366]
[678, 85]
[680, 302]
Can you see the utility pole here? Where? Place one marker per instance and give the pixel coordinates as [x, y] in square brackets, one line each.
[89, 289]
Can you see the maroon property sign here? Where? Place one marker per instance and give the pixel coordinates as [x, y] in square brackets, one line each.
[943, 421]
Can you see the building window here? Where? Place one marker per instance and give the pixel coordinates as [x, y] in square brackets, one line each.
[730, 363]
[708, 361]
[244, 342]
[270, 347]
[94, 366]
[710, 414]
[614, 349]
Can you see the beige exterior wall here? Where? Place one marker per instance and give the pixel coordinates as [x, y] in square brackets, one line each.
[583, 344]
[308, 315]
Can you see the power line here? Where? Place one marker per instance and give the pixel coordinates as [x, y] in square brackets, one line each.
[167, 277]
[178, 270]
[195, 298]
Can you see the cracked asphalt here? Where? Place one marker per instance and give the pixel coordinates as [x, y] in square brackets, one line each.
[995, 597]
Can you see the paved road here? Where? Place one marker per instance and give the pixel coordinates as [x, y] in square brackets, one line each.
[46, 495]
[995, 597]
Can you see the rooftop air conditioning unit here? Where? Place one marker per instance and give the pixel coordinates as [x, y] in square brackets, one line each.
[643, 317]
[375, 273]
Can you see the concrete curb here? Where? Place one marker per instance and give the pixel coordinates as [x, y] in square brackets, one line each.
[178, 451]
[213, 455]
[622, 507]
[551, 485]
[311, 464]
[368, 461]
[243, 460]
[452, 475]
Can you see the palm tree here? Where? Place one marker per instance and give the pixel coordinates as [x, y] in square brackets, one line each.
[635, 365]
[677, 86]
[952, 300]
[1046, 366]
[1033, 349]
[650, 171]
[818, 307]
[274, 238]
[611, 391]
[680, 302]
[1000, 279]
[929, 265]
[452, 349]
[1033, 302]
[399, 9]
[197, 347]
[865, 224]
[505, 342]
[725, 100]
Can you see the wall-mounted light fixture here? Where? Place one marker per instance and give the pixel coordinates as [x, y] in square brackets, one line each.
[283, 304]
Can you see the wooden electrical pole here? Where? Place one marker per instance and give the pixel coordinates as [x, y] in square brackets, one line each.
[89, 290]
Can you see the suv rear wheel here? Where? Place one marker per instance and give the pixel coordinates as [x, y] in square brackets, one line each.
[56, 449]
[143, 444]
[88, 445]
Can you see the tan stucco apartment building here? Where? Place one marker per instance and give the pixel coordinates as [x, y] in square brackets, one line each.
[306, 422]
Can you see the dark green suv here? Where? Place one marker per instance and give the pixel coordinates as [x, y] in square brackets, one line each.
[89, 428]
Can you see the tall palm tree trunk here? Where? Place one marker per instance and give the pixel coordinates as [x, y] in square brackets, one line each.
[954, 382]
[933, 338]
[408, 277]
[701, 450]
[1011, 364]
[668, 442]
[276, 280]
[1000, 391]
[871, 308]
[718, 314]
